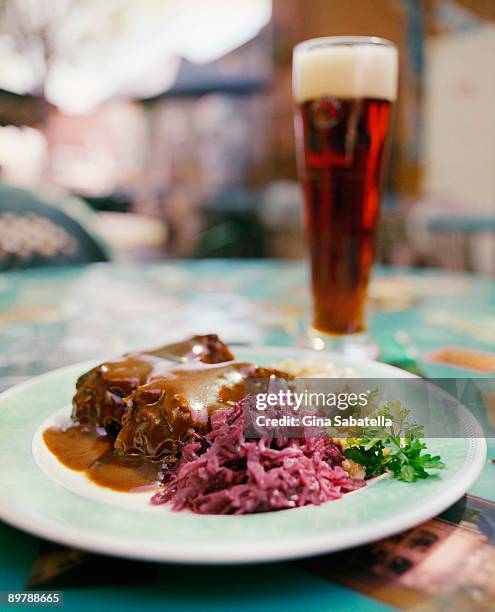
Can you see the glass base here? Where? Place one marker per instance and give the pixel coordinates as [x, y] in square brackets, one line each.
[355, 346]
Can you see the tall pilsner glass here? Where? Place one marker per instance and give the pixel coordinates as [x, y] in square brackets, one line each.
[344, 88]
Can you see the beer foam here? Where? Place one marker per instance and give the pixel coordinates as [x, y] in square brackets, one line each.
[344, 70]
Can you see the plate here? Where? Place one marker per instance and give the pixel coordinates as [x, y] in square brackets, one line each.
[41, 496]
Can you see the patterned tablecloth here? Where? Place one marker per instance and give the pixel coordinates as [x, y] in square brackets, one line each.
[50, 318]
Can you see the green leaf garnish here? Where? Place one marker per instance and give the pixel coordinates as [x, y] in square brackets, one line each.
[397, 449]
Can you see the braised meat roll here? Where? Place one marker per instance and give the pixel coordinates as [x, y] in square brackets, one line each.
[100, 393]
[173, 405]
[207, 349]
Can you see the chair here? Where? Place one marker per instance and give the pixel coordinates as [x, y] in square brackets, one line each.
[37, 230]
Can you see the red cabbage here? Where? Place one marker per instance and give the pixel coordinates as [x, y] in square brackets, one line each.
[223, 473]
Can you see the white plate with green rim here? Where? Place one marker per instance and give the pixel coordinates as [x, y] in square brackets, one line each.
[43, 497]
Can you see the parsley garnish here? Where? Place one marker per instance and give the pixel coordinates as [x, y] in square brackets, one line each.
[398, 449]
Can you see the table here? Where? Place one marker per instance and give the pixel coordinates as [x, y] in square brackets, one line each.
[49, 318]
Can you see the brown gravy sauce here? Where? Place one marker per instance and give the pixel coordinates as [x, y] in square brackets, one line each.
[83, 449]
[90, 449]
[167, 400]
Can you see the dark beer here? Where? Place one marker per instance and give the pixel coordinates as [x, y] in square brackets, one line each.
[342, 165]
[344, 89]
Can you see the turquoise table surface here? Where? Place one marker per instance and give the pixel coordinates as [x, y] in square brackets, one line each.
[50, 318]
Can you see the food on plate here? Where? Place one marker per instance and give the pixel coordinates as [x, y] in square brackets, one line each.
[254, 475]
[177, 401]
[171, 420]
[100, 393]
[132, 415]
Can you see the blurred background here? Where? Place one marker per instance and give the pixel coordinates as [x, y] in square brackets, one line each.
[141, 130]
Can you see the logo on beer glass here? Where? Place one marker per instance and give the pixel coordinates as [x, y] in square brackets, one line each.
[325, 113]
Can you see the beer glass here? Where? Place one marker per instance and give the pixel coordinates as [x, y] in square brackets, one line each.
[344, 88]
